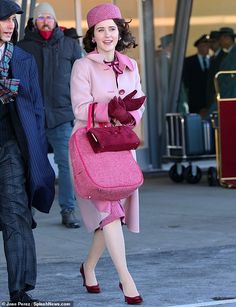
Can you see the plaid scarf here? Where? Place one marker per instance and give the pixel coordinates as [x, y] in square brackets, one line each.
[8, 87]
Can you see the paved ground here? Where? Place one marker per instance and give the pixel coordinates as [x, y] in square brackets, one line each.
[184, 255]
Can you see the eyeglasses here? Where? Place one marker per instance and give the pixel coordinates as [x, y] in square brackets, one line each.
[48, 18]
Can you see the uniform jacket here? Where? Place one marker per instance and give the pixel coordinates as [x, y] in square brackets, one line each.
[227, 84]
[54, 59]
[29, 108]
[213, 69]
[94, 81]
[195, 81]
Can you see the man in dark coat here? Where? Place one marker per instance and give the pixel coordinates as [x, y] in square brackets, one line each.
[227, 82]
[55, 54]
[27, 178]
[215, 61]
[195, 73]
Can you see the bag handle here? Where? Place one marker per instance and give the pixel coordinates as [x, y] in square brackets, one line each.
[91, 117]
[91, 109]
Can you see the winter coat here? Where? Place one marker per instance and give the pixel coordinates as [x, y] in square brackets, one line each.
[55, 59]
[195, 81]
[94, 81]
[227, 83]
[29, 107]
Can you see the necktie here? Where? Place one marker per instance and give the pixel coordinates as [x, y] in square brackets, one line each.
[204, 63]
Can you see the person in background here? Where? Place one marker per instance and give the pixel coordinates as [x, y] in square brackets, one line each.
[71, 32]
[111, 79]
[26, 177]
[195, 74]
[215, 61]
[227, 84]
[55, 54]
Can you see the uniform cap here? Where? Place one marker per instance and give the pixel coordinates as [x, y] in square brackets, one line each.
[166, 40]
[203, 39]
[226, 31]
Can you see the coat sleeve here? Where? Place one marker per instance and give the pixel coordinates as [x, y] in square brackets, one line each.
[37, 101]
[80, 88]
[137, 114]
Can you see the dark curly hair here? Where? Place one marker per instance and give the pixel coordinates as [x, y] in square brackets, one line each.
[127, 40]
[14, 37]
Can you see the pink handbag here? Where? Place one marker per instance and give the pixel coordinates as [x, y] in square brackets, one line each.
[105, 175]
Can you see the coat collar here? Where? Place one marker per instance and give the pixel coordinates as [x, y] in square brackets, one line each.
[124, 60]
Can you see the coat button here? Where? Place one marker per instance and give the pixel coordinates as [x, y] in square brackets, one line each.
[121, 92]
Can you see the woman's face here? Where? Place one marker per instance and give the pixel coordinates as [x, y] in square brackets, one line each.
[106, 35]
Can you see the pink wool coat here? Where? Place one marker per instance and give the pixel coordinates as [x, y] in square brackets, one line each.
[94, 81]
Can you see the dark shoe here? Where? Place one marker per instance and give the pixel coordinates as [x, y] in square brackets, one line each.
[135, 300]
[90, 289]
[22, 297]
[69, 219]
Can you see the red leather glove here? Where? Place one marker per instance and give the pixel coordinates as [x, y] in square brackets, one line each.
[131, 103]
[117, 110]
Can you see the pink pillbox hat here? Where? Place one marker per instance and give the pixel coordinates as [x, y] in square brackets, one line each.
[102, 12]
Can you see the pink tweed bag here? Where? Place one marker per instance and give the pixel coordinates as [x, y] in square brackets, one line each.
[104, 175]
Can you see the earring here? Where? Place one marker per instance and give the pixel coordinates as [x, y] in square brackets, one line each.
[93, 40]
[119, 38]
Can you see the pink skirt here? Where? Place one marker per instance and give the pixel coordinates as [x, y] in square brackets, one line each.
[97, 214]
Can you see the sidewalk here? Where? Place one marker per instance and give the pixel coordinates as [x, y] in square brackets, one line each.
[184, 255]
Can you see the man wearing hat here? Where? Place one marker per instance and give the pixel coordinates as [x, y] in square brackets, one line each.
[166, 44]
[226, 82]
[55, 54]
[195, 73]
[226, 38]
[26, 177]
[215, 61]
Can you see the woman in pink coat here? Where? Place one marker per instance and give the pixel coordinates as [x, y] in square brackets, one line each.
[110, 79]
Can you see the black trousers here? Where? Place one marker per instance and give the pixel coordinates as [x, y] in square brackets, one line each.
[16, 220]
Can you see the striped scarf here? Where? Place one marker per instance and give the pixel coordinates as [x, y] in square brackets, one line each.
[8, 87]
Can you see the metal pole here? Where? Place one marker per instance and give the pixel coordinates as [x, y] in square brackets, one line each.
[32, 6]
[183, 14]
[23, 18]
[151, 84]
[78, 19]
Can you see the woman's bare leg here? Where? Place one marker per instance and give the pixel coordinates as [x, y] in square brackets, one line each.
[114, 239]
[96, 250]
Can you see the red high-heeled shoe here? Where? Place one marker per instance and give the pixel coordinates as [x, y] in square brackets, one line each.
[90, 289]
[135, 300]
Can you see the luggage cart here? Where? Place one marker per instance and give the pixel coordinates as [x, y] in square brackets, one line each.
[224, 122]
[188, 139]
